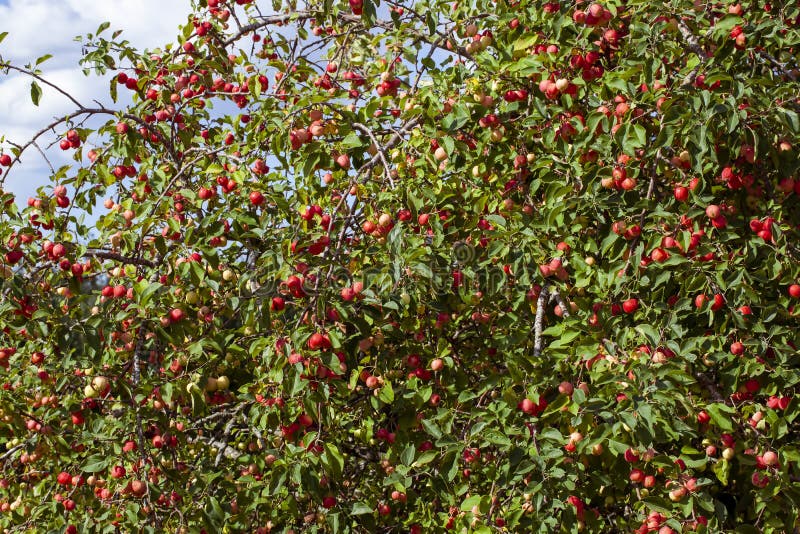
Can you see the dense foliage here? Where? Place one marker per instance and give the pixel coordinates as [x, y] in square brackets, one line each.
[413, 267]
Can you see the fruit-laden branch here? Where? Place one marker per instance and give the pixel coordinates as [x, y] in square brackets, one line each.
[343, 17]
[437, 43]
[651, 189]
[380, 150]
[11, 451]
[694, 46]
[267, 21]
[391, 143]
[556, 296]
[227, 432]
[105, 255]
[77, 113]
[394, 140]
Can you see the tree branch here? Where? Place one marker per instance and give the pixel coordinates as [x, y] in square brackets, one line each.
[105, 255]
[39, 78]
[778, 65]
[539, 321]
[555, 295]
[381, 154]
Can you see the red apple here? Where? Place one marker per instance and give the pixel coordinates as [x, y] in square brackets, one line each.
[713, 211]
[630, 305]
[794, 291]
[176, 315]
[681, 193]
[256, 198]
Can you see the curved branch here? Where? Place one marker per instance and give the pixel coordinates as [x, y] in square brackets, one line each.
[381, 152]
[105, 255]
[39, 78]
[82, 111]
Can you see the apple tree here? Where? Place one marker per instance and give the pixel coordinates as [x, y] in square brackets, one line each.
[395, 266]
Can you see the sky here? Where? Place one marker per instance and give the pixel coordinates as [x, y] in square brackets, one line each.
[39, 27]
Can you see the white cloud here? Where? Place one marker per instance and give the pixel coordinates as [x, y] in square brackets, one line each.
[39, 27]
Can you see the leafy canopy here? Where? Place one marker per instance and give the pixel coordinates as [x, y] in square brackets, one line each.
[412, 266]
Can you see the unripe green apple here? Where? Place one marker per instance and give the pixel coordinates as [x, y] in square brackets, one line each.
[223, 383]
[211, 384]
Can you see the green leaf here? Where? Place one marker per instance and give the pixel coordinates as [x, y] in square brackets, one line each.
[333, 459]
[425, 458]
[144, 291]
[361, 508]
[722, 469]
[469, 503]
[430, 22]
[352, 140]
[96, 464]
[36, 93]
[453, 121]
[387, 393]
[790, 119]
[721, 415]
[431, 428]
[369, 12]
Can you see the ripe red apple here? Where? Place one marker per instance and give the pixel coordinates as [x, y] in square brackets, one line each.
[677, 494]
[527, 406]
[713, 211]
[385, 220]
[343, 161]
[278, 304]
[636, 475]
[700, 300]
[176, 315]
[117, 471]
[794, 291]
[318, 341]
[681, 193]
[630, 305]
[347, 294]
[256, 198]
[770, 458]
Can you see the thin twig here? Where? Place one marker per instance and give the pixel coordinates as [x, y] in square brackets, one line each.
[381, 153]
[32, 74]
